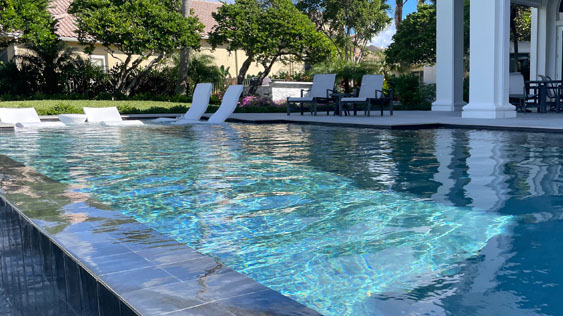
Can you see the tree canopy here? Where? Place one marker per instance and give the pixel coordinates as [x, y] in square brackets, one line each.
[29, 21]
[268, 31]
[350, 24]
[415, 40]
[138, 29]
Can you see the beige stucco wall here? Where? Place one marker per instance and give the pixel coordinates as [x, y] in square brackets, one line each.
[235, 59]
[222, 57]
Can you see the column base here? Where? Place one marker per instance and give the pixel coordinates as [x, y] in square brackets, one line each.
[447, 107]
[488, 111]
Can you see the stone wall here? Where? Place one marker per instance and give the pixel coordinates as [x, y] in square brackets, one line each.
[281, 90]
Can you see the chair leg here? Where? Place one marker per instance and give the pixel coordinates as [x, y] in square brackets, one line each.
[301, 105]
[355, 109]
[368, 108]
[288, 109]
[315, 108]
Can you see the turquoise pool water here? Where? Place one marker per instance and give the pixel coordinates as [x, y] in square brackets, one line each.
[346, 221]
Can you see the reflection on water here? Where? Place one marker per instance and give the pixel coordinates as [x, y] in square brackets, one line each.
[347, 221]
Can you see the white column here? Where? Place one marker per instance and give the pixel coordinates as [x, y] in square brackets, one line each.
[489, 60]
[449, 55]
[538, 43]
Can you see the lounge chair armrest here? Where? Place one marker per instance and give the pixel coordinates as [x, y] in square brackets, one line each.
[303, 90]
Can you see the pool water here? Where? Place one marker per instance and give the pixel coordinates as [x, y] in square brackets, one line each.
[346, 221]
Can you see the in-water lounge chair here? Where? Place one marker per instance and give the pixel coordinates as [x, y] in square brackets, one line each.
[200, 102]
[228, 105]
[108, 116]
[25, 118]
[323, 86]
[371, 93]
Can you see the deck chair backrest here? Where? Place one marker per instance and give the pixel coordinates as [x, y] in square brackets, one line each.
[19, 115]
[322, 83]
[550, 92]
[96, 115]
[228, 105]
[371, 83]
[516, 84]
[200, 101]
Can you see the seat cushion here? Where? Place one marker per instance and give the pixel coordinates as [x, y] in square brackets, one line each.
[354, 100]
[304, 99]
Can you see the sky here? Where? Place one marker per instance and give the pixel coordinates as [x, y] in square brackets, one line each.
[384, 38]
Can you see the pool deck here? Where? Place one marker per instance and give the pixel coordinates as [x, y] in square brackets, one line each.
[550, 122]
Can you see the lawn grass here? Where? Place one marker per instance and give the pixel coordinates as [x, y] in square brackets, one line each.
[54, 107]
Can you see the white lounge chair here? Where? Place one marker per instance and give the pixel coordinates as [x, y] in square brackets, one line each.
[228, 105]
[371, 92]
[200, 102]
[108, 116]
[25, 117]
[323, 85]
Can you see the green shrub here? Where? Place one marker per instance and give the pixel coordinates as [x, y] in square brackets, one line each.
[411, 94]
[60, 108]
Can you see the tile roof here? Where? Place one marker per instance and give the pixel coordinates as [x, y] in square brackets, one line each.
[67, 23]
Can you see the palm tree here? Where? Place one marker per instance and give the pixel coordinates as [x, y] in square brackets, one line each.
[182, 84]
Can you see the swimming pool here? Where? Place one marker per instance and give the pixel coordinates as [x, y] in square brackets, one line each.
[346, 221]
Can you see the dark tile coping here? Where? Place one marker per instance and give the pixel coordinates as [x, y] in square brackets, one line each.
[391, 126]
[400, 126]
[146, 270]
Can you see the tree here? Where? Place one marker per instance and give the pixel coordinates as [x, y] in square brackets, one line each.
[520, 28]
[140, 30]
[183, 67]
[415, 40]
[399, 11]
[28, 21]
[268, 31]
[350, 24]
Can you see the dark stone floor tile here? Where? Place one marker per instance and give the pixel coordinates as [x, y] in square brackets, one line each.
[89, 251]
[192, 269]
[138, 279]
[209, 309]
[68, 238]
[117, 263]
[267, 302]
[169, 254]
[163, 299]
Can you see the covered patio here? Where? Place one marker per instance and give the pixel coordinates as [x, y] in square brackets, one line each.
[490, 53]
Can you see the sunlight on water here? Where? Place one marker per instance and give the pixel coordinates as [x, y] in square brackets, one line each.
[256, 202]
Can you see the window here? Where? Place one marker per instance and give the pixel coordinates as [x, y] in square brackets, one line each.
[98, 60]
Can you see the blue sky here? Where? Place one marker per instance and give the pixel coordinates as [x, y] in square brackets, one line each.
[383, 39]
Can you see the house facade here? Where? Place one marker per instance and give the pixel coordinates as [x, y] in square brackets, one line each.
[66, 30]
[489, 53]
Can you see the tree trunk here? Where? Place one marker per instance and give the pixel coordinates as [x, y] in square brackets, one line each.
[123, 74]
[265, 73]
[399, 11]
[514, 31]
[182, 81]
[244, 69]
[145, 70]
